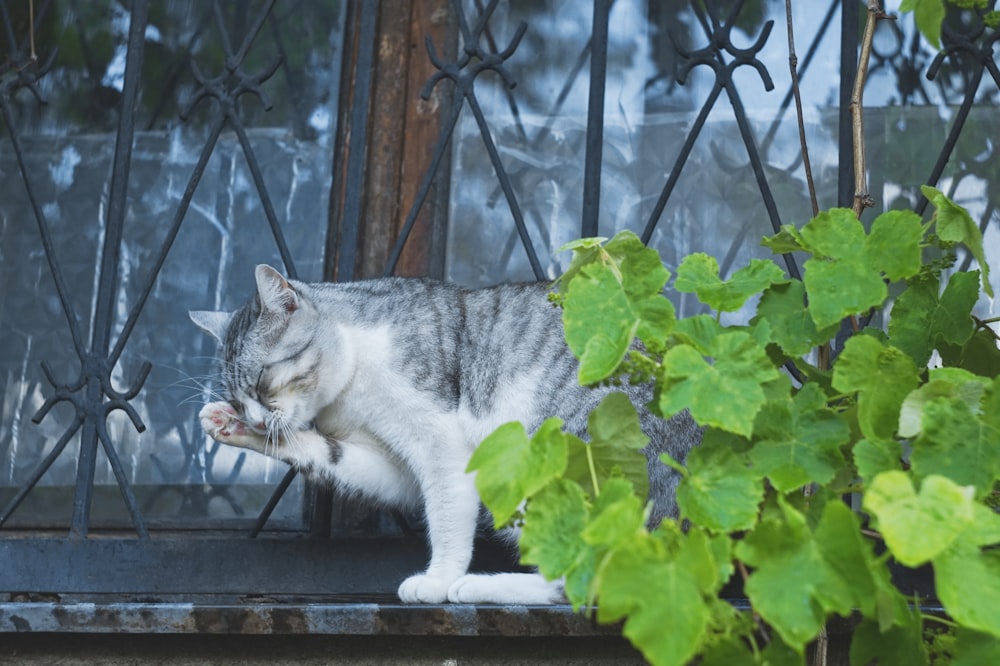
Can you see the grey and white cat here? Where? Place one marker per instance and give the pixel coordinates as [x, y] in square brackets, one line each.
[384, 388]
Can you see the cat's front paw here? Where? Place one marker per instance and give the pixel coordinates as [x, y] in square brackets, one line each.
[220, 421]
[507, 589]
[424, 589]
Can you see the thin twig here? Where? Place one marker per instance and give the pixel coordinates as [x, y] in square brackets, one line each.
[31, 29]
[793, 65]
[984, 324]
[862, 198]
[744, 574]
[822, 647]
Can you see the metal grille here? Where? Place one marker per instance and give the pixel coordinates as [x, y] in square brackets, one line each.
[541, 147]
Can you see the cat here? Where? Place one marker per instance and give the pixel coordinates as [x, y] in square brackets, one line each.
[385, 387]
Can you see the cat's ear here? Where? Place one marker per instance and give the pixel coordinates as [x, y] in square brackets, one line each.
[214, 323]
[275, 292]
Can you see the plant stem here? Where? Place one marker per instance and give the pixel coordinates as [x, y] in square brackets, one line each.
[862, 198]
[984, 324]
[593, 472]
[793, 65]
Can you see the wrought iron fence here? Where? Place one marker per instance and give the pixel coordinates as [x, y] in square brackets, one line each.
[664, 136]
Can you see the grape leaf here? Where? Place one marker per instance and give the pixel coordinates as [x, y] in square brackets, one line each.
[698, 331]
[615, 440]
[617, 515]
[967, 581]
[800, 576]
[797, 440]
[740, 367]
[893, 244]
[550, 538]
[509, 467]
[928, 15]
[599, 342]
[788, 239]
[943, 383]
[839, 278]
[624, 282]
[873, 456]
[883, 377]
[956, 444]
[900, 645]
[920, 318]
[699, 274]
[918, 526]
[953, 223]
[720, 492]
[974, 649]
[979, 355]
[640, 584]
[792, 326]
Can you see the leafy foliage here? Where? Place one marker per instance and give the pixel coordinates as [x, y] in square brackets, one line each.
[761, 495]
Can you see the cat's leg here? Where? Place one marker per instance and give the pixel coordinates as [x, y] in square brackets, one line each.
[506, 588]
[451, 504]
[221, 422]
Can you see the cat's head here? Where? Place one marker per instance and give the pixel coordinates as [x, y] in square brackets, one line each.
[270, 362]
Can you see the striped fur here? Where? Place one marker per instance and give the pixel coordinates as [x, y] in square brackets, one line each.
[385, 387]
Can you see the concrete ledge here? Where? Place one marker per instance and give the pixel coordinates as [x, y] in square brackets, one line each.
[314, 618]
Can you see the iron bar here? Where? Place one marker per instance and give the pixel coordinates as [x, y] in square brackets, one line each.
[347, 244]
[95, 365]
[591, 212]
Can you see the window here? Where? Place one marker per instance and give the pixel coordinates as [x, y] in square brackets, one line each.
[165, 148]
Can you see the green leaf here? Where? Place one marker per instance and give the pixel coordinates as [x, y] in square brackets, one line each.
[873, 457]
[943, 383]
[698, 331]
[640, 584]
[550, 538]
[800, 576]
[699, 274]
[839, 278]
[967, 580]
[929, 15]
[599, 342]
[957, 444]
[883, 377]
[911, 316]
[921, 320]
[979, 355]
[617, 515]
[952, 319]
[792, 326]
[787, 240]
[740, 367]
[509, 467]
[954, 224]
[919, 527]
[899, 645]
[797, 440]
[720, 492]
[893, 244]
[615, 442]
[623, 281]
[974, 649]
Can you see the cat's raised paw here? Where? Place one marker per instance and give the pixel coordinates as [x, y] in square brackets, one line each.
[221, 422]
[424, 589]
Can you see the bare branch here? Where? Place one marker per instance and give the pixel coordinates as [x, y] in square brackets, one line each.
[793, 65]
[862, 198]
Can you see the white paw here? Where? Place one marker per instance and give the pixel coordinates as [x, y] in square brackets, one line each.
[221, 422]
[424, 589]
[507, 589]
